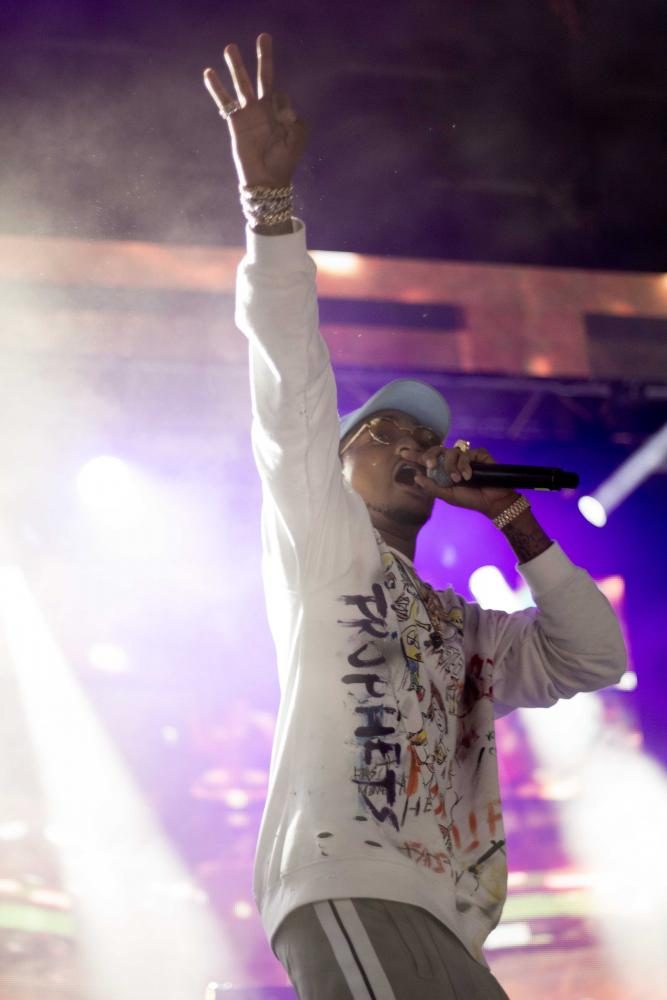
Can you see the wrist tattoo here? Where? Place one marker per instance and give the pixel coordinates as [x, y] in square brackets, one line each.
[526, 537]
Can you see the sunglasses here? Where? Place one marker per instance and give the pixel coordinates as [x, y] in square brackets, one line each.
[387, 430]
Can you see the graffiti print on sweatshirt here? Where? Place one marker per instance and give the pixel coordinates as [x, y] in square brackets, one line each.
[414, 729]
[376, 714]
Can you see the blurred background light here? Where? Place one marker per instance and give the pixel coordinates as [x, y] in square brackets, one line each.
[105, 483]
[491, 590]
[510, 935]
[337, 262]
[592, 510]
[10, 887]
[243, 910]
[623, 805]
[13, 830]
[236, 798]
[565, 732]
[108, 658]
[133, 515]
[628, 681]
[170, 734]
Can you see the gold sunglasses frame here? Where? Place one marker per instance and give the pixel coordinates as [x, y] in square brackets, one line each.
[409, 430]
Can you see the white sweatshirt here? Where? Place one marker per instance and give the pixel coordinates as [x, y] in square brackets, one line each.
[383, 780]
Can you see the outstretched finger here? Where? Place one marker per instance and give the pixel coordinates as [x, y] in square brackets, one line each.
[242, 82]
[264, 65]
[217, 90]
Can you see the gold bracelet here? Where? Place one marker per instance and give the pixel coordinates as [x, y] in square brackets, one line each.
[257, 193]
[269, 218]
[511, 513]
[265, 206]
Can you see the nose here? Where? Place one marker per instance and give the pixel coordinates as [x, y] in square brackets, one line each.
[406, 442]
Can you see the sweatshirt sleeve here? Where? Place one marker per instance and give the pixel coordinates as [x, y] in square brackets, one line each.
[570, 642]
[294, 408]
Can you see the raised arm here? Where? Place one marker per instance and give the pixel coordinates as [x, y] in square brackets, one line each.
[268, 138]
[306, 511]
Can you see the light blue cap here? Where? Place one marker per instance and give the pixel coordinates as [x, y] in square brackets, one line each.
[418, 399]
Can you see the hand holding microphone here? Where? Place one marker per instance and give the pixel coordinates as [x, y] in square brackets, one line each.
[469, 477]
[516, 477]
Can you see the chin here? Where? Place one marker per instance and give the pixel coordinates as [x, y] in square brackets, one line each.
[415, 517]
[402, 515]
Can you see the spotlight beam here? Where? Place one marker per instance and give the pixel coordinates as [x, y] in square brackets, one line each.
[143, 927]
[649, 458]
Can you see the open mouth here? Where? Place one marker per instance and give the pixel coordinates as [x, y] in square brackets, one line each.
[406, 472]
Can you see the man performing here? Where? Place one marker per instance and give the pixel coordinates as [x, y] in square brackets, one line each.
[381, 865]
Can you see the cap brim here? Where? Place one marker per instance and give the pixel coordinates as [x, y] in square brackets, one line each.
[418, 399]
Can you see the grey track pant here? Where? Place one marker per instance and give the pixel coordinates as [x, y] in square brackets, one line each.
[373, 949]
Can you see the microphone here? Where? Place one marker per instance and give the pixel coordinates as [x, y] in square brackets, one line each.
[508, 477]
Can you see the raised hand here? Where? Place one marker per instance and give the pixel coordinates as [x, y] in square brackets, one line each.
[268, 138]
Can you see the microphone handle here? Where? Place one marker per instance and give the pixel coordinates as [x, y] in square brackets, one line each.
[511, 477]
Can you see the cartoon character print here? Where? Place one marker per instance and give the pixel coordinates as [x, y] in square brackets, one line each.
[415, 633]
[427, 706]
[413, 657]
[406, 606]
[429, 785]
[455, 618]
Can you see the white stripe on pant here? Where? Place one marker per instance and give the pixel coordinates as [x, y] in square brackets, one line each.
[374, 949]
[358, 961]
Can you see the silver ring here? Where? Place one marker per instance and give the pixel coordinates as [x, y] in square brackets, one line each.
[230, 109]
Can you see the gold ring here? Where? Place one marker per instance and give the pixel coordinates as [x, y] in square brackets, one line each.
[462, 445]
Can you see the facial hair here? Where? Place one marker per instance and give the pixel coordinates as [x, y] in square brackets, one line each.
[402, 515]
